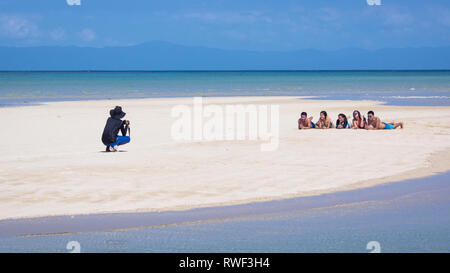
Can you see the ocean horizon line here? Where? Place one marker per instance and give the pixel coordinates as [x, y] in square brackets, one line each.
[241, 70]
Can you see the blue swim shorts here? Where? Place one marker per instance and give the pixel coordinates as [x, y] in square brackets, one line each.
[388, 126]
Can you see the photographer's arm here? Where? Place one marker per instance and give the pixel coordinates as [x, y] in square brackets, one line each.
[124, 127]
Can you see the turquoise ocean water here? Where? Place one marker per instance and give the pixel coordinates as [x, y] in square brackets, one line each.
[394, 87]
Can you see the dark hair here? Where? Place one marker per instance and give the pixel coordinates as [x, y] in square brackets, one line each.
[359, 114]
[303, 114]
[324, 113]
[344, 124]
[370, 112]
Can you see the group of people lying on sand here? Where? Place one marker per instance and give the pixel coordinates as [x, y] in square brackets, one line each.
[358, 122]
[114, 124]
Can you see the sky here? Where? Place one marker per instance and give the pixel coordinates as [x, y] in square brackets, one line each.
[271, 25]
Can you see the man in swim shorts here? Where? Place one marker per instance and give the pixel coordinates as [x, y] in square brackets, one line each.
[304, 122]
[374, 123]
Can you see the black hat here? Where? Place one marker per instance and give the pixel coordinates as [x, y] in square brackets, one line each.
[117, 112]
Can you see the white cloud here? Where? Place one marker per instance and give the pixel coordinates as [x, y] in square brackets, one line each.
[329, 14]
[441, 15]
[73, 2]
[18, 27]
[87, 34]
[374, 2]
[235, 34]
[396, 18]
[227, 17]
[58, 34]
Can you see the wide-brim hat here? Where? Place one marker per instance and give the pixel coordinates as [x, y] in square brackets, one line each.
[117, 112]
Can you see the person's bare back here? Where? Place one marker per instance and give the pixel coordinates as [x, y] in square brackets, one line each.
[304, 122]
[374, 123]
[324, 121]
[324, 124]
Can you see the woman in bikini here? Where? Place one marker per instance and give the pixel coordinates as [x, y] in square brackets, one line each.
[342, 122]
[358, 121]
[324, 121]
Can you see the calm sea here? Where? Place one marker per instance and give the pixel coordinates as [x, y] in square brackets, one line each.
[394, 87]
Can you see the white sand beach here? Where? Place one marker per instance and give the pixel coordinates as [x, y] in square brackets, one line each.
[52, 160]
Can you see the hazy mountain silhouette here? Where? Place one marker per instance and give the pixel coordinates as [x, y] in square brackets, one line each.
[167, 56]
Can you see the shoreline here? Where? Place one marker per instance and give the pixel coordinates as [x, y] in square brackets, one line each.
[132, 221]
[382, 100]
[437, 167]
[437, 161]
[44, 102]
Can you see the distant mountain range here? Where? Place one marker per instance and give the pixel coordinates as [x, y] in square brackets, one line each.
[168, 56]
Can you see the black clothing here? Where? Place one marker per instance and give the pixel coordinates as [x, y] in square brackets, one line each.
[113, 125]
[111, 130]
[117, 112]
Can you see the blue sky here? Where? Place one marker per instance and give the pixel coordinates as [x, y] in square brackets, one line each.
[245, 24]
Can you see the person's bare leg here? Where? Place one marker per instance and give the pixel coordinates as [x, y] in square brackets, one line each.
[398, 124]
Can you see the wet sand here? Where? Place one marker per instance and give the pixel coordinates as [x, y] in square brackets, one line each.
[129, 221]
[412, 216]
